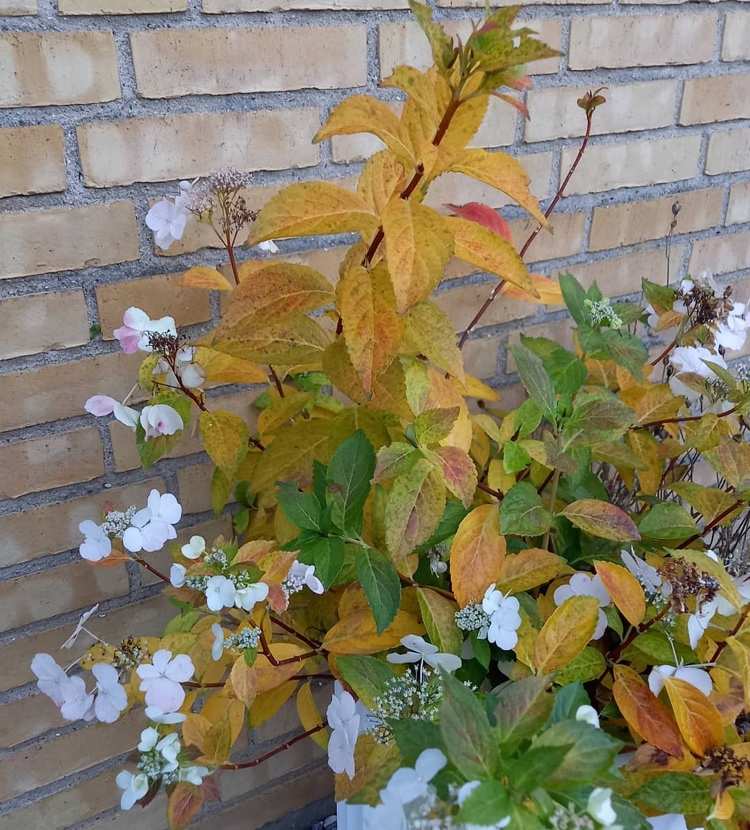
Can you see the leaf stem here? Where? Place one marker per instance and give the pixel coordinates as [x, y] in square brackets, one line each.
[712, 524]
[151, 568]
[276, 750]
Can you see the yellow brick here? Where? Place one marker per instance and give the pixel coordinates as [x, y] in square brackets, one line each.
[650, 161]
[739, 203]
[38, 322]
[121, 6]
[219, 6]
[721, 254]
[720, 98]
[195, 488]
[644, 40]
[14, 8]
[64, 239]
[60, 391]
[138, 619]
[462, 303]
[736, 45]
[455, 188]
[520, 2]
[44, 763]
[172, 62]
[633, 222]
[641, 106]
[31, 160]
[44, 594]
[404, 43]
[41, 531]
[24, 719]
[157, 296]
[43, 463]
[728, 151]
[480, 357]
[564, 238]
[57, 68]
[160, 149]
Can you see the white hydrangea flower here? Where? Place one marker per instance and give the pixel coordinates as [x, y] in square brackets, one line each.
[111, 697]
[195, 548]
[302, 576]
[691, 359]
[162, 678]
[155, 714]
[269, 247]
[217, 647]
[134, 788]
[505, 620]
[699, 622]
[136, 327]
[154, 525]
[78, 704]
[696, 677]
[420, 650]
[587, 714]
[247, 597]
[96, 543]
[220, 593]
[668, 821]
[168, 217]
[161, 419]
[600, 807]
[100, 405]
[731, 332]
[586, 585]
[343, 719]
[177, 575]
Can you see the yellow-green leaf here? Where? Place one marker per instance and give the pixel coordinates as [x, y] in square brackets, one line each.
[309, 715]
[311, 208]
[418, 244]
[225, 438]
[429, 331]
[438, 615]
[201, 276]
[381, 178]
[566, 633]
[477, 554]
[602, 519]
[530, 568]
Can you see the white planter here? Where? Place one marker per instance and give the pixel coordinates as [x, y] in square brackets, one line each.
[351, 816]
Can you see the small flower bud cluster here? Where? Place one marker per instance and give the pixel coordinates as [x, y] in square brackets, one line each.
[243, 640]
[131, 652]
[229, 178]
[197, 582]
[116, 522]
[688, 581]
[407, 697]
[568, 818]
[217, 559]
[472, 617]
[602, 313]
[293, 584]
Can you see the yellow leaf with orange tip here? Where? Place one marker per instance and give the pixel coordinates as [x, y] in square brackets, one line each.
[646, 716]
[566, 633]
[309, 715]
[267, 704]
[698, 719]
[546, 291]
[625, 590]
[268, 676]
[723, 806]
[356, 634]
[242, 678]
[201, 276]
[374, 763]
[477, 554]
[501, 171]
[529, 568]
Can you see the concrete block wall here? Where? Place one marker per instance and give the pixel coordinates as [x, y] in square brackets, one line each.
[106, 104]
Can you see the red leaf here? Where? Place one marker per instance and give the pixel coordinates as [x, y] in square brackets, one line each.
[185, 801]
[483, 215]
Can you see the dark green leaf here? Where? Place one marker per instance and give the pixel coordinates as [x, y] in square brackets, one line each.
[327, 554]
[567, 701]
[515, 457]
[522, 511]
[348, 477]
[414, 736]
[381, 585]
[487, 804]
[591, 752]
[302, 509]
[535, 379]
[667, 522]
[676, 792]
[535, 766]
[367, 675]
[574, 296]
[466, 731]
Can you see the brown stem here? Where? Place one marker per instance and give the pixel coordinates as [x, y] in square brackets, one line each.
[298, 658]
[151, 568]
[546, 481]
[526, 245]
[414, 584]
[196, 399]
[233, 261]
[684, 419]
[740, 622]
[291, 630]
[712, 524]
[664, 353]
[276, 750]
[276, 381]
[189, 684]
[416, 178]
[487, 489]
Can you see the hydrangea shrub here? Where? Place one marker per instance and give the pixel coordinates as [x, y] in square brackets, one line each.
[533, 617]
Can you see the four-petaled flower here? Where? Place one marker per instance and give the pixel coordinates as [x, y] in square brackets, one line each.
[167, 218]
[504, 618]
[195, 548]
[154, 525]
[344, 719]
[111, 697]
[96, 543]
[161, 679]
[586, 585]
[247, 597]
[420, 650]
[220, 593]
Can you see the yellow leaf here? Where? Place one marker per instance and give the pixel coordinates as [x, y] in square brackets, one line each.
[381, 178]
[478, 245]
[645, 450]
[194, 730]
[723, 806]
[224, 368]
[275, 291]
[546, 291]
[529, 568]
[225, 439]
[364, 114]
[418, 244]
[429, 331]
[566, 633]
[739, 650]
[438, 615]
[527, 635]
[372, 328]
[497, 478]
[432, 98]
[201, 276]
[625, 590]
[356, 634]
[501, 171]
[267, 704]
[269, 676]
[242, 678]
[217, 743]
[309, 715]
[311, 208]
[463, 127]
[698, 719]
[477, 554]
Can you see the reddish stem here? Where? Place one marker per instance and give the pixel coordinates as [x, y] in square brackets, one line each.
[276, 750]
[636, 631]
[712, 524]
[291, 630]
[487, 489]
[684, 419]
[151, 568]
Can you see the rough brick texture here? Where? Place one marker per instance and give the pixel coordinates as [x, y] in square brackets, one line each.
[107, 104]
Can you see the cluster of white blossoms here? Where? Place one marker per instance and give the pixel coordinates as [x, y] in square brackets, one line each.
[496, 619]
[346, 718]
[148, 529]
[105, 702]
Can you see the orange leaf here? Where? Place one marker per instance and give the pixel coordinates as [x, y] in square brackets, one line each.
[242, 678]
[356, 634]
[204, 277]
[477, 554]
[529, 568]
[185, 801]
[643, 711]
[697, 717]
[547, 291]
[268, 676]
[625, 590]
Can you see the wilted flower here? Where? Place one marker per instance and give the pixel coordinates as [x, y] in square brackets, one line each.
[100, 405]
[160, 419]
[82, 620]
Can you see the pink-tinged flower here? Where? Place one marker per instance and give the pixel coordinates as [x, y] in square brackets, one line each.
[153, 526]
[167, 218]
[161, 679]
[160, 419]
[136, 327]
[111, 697]
[96, 544]
[100, 405]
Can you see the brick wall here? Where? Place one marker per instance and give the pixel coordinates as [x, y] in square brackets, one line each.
[103, 101]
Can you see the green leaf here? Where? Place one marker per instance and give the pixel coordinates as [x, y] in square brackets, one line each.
[433, 425]
[326, 553]
[440, 43]
[523, 513]
[568, 372]
[591, 754]
[221, 489]
[597, 416]
[349, 474]
[367, 675]
[659, 296]
[535, 379]
[183, 622]
[659, 649]
[515, 457]
[667, 522]
[414, 736]
[302, 509]
[574, 297]
[522, 707]
[381, 584]
[535, 766]
[487, 804]
[588, 665]
[466, 731]
[676, 792]
[567, 701]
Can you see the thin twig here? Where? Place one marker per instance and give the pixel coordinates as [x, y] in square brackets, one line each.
[151, 568]
[276, 750]
[291, 630]
[712, 524]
